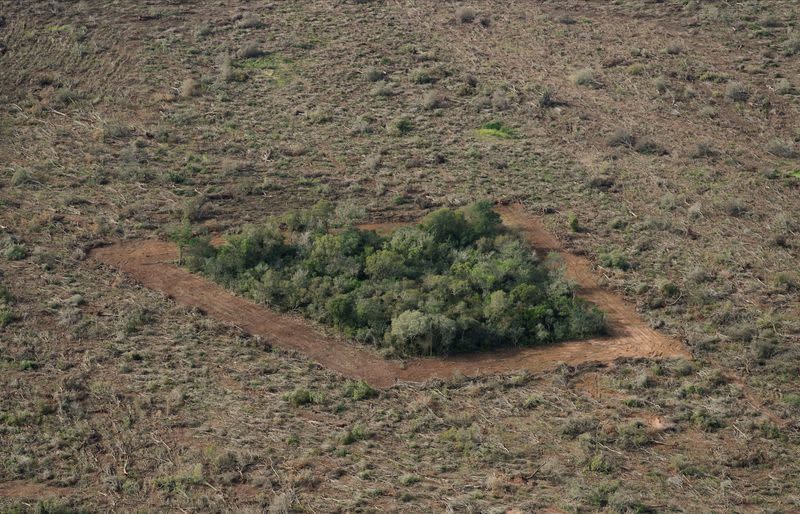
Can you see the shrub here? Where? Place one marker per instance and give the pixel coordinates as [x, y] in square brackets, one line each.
[434, 100]
[649, 147]
[422, 76]
[737, 92]
[383, 90]
[622, 137]
[785, 87]
[15, 252]
[547, 98]
[359, 390]
[499, 100]
[456, 282]
[21, 177]
[575, 426]
[632, 435]
[374, 74]
[703, 150]
[586, 77]
[465, 14]
[661, 84]
[401, 126]
[792, 46]
[300, 397]
[599, 464]
[352, 435]
[780, 148]
[572, 221]
[189, 88]
[614, 259]
[249, 51]
[251, 22]
[735, 207]
[409, 479]
[7, 316]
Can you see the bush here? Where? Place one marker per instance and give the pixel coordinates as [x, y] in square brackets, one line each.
[465, 14]
[434, 100]
[496, 129]
[249, 51]
[401, 126]
[547, 98]
[374, 74]
[300, 397]
[792, 46]
[422, 76]
[614, 259]
[458, 281]
[780, 148]
[21, 177]
[586, 77]
[360, 390]
[622, 137]
[737, 92]
[15, 252]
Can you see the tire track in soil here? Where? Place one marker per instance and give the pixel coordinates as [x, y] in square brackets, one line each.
[151, 262]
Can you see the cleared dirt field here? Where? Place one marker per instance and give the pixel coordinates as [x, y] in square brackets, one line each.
[657, 142]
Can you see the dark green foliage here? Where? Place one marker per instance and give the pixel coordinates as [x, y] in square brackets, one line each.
[456, 282]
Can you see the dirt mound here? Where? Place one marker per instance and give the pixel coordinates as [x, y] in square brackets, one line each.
[152, 262]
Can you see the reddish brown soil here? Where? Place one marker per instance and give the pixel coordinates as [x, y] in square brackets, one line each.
[152, 263]
[21, 489]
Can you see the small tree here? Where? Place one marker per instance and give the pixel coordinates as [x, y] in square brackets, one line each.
[182, 236]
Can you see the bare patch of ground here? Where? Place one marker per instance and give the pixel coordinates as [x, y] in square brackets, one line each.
[23, 489]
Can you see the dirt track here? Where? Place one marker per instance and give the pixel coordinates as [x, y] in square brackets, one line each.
[151, 262]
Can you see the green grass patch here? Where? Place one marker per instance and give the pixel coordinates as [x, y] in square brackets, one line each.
[459, 281]
[264, 62]
[497, 129]
[272, 66]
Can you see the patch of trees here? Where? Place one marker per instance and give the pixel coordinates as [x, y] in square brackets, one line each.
[458, 281]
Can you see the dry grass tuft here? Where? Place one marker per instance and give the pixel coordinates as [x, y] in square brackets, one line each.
[465, 14]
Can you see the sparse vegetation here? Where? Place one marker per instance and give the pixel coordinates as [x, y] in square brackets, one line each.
[189, 88]
[587, 77]
[737, 92]
[118, 397]
[401, 126]
[250, 51]
[781, 149]
[465, 14]
[614, 259]
[622, 137]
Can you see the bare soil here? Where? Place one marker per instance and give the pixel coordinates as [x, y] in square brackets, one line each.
[151, 262]
[26, 489]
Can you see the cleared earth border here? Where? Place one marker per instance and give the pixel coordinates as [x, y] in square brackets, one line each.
[151, 262]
